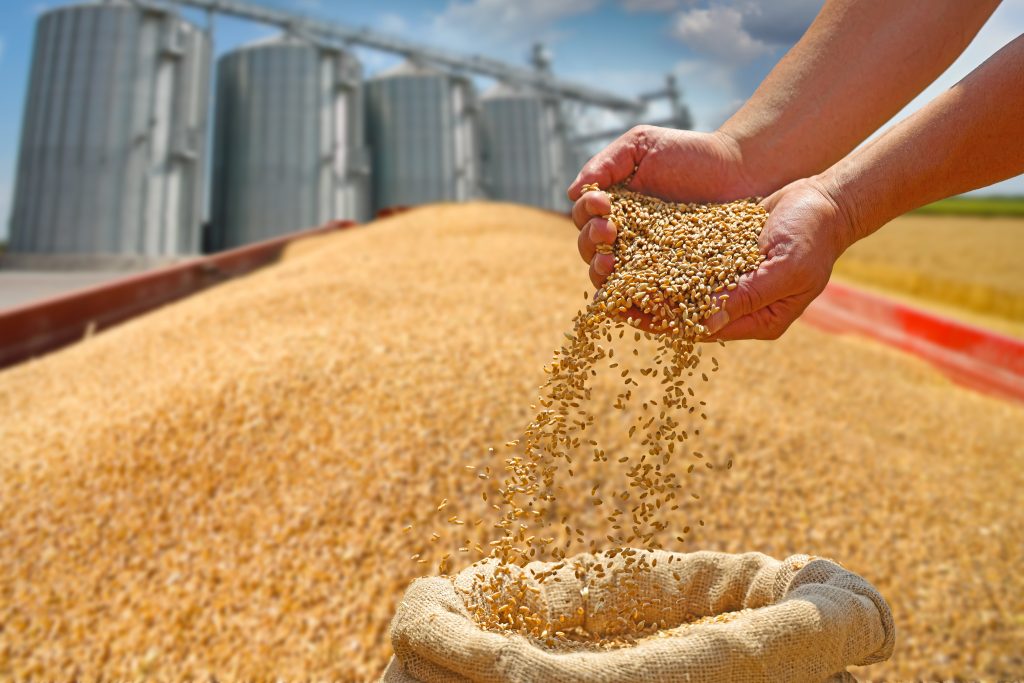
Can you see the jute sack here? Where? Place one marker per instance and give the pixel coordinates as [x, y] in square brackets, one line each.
[809, 620]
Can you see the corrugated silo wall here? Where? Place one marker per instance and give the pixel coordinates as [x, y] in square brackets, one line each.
[423, 140]
[113, 135]
[289, 142]
[524, 152]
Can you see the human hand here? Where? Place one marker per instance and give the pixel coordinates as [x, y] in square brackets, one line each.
[805, 233]
[675, 165]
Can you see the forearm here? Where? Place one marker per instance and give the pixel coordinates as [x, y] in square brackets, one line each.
[857, 65]
[969, 137]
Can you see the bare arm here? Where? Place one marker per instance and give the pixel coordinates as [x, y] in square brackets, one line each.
[856, 66]
[970, 136]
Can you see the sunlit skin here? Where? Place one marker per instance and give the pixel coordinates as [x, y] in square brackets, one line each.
[856, 67]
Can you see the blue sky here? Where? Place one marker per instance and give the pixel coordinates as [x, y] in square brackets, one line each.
[720, 49]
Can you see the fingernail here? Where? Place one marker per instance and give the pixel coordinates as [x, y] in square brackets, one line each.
[717, 321]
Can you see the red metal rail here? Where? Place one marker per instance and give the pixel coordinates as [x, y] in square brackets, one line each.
[984, 360]
[44, 326]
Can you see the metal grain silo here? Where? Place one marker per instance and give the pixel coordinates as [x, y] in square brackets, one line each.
[113, 135]
[289, 148]
[422, 126]
[524, 147]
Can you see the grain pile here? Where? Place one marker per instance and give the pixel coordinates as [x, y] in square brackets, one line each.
[221, 486]
[675, 263]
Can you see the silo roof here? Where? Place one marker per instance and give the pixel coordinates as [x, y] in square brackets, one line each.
[120, 4]
[409, 68]
[510, 91]
[275, 40]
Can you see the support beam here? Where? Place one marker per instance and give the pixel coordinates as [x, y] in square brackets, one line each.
[333, 32]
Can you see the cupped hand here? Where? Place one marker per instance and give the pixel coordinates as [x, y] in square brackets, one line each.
[805, 233]
[675, 165]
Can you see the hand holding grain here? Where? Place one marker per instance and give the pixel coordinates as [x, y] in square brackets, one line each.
[674, 165]
[804, 235]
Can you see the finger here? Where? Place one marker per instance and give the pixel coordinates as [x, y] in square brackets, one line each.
[600, 268]
[757, 325]
[603, 264]
[613, 164]
[768, 284]
[771, 321]
[602, 231]
[579, 213]
[586, 246]
[589, 205]
[771, 200]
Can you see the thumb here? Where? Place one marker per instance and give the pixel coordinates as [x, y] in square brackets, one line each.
[611, 165]
[774, 198]
[753, 292]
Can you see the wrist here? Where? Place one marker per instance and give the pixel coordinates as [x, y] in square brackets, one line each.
[732, 182]
[847, 225]
[757, 172]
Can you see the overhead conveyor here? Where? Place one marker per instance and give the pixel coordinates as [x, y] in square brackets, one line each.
[331, 32]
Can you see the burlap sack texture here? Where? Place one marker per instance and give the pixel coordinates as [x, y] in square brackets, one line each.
[810, 619]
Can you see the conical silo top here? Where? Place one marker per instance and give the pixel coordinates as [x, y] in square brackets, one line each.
[509, 91]
[409, 68]
[278, 40]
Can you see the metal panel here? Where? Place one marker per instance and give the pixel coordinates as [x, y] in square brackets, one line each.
[524, 148]
[286, 140]
[423, 137]
[111, 145]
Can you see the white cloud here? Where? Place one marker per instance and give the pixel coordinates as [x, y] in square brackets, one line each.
[780, 22]
[740, 31]
[715, 76]
[501, 13]
[721, 47]
[718, 32]
[729, 39]
[649, 5]
[391, 22]
[507, 28]
[775, 22]
[710, 90]
[726, 34]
